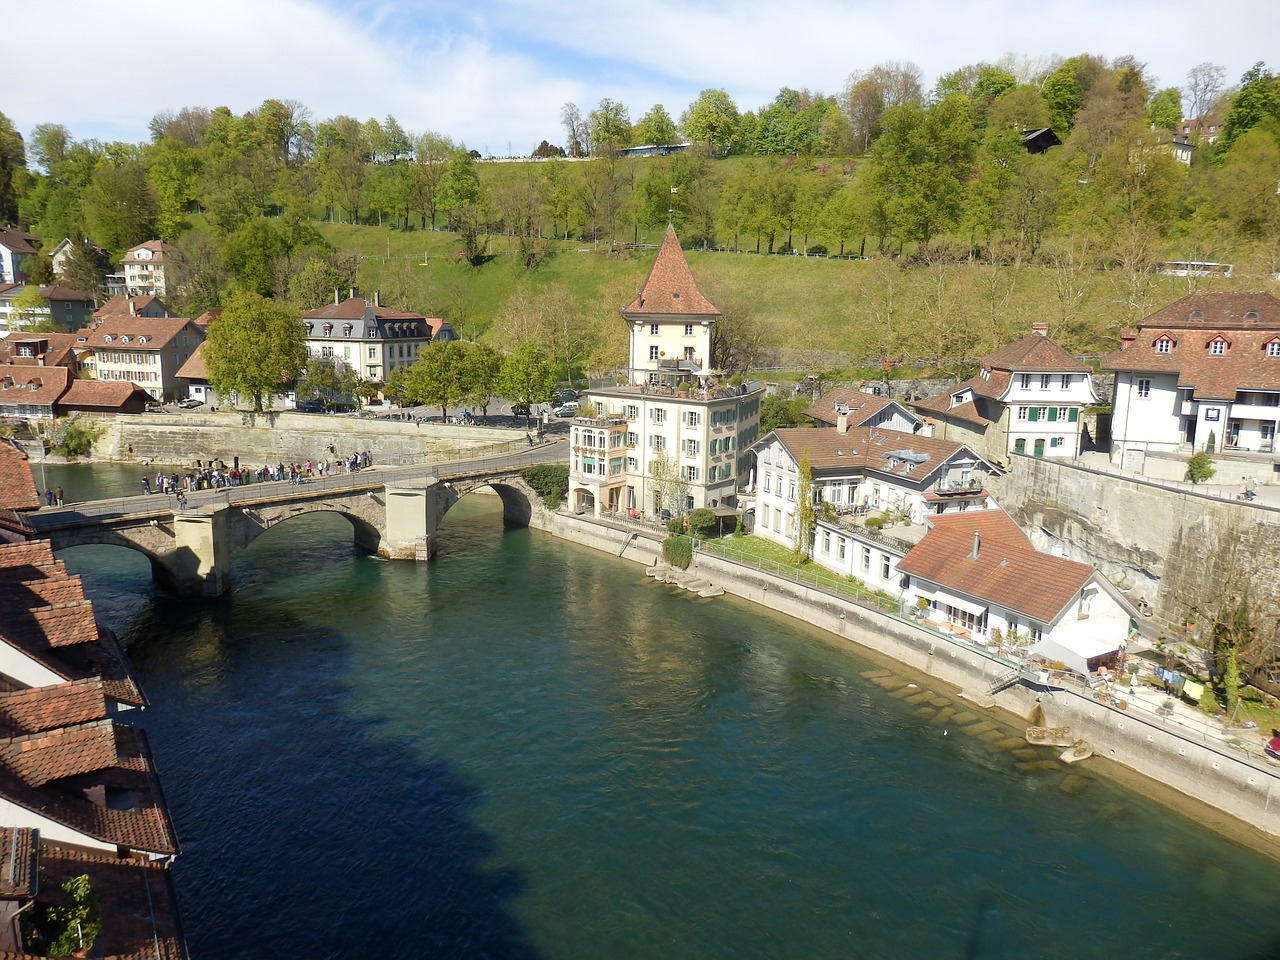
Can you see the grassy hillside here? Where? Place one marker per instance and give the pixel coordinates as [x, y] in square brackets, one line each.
[877, 306]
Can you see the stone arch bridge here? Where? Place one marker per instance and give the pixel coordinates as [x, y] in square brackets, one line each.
[393, 512]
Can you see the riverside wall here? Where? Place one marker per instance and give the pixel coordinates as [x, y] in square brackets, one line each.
[285, 436]
[1180, 758]
[1178, 550]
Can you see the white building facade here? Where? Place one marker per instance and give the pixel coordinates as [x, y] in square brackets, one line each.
[674, 436]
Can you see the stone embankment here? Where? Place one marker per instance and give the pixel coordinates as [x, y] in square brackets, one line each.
[288, 437]
[1190, 763]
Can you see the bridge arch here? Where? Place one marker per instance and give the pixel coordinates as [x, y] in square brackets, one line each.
[245, 524]
[154, 543]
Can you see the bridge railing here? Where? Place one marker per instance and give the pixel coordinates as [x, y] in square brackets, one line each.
[261, 491]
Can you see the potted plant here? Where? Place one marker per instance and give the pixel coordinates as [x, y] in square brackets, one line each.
[69, 928]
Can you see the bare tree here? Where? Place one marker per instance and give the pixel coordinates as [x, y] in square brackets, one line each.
[869, 93]
[577, 130]
[1204, 83]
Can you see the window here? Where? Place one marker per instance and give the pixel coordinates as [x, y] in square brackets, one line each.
[1022, 413]
[373, 353]
[826, 541]
[693, 418]
[885, 566]
[768, 482]
[1144, 389]
[659, 414]
[1056, 442]
[777, 520]
[791, 492]
[840, 547]
[1045, 379]
[1164, 345]
[653, 352]
[1217, 348]
[632, 439]
[1065, 383]
[1020, 445]
[866, 559]
[1273, 348]
[1026, 381]
[691, 474]
[658, 442]
[688, 329]
[692, 448]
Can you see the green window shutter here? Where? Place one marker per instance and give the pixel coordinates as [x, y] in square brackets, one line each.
[1033, 413]
[1053, 413]
[1073, 415]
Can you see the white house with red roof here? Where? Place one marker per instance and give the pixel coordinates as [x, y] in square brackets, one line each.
[148, 268]
[982, 580]
[863, 409]
[369, 338]
[147, 351]
[1205, 367]
[860, 474]
[674, 436]
[1028, 397]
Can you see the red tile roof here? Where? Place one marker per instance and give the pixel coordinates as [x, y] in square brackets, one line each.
[158, 331]
[161, 252]
[862, 406]
[1247, 322]
[119, 305]
[17, 241]
[22, 385]
[1008, 571]
[34, 709]
[17, 486]
[669, 289]
[18, 854]
[99, 395]
[1033, 353]
[868, 448]
[194, 368]
[57, 349]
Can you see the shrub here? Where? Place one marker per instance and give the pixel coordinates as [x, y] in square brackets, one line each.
[675, 526]
[72, 924]
[550, 481]
[874, 523]
[678, 551]
[74, 436]
[701, 522]
[1199, 468]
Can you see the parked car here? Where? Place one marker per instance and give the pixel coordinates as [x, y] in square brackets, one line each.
[567, 409]
[190, 403]
[309, 406]
[564, 396]
[520, 410]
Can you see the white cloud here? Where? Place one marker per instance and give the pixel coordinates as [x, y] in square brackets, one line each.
[493, 72]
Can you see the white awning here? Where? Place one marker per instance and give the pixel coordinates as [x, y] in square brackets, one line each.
[960, 603]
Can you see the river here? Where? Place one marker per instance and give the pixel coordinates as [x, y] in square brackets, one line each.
[526, 750]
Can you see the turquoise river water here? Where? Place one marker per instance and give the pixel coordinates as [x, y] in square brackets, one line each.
[525, 750]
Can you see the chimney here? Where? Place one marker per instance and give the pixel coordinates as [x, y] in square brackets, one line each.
[977, 542]
[337, 296]
[353, 293]
[842, 422]
[1040, 329]
[133, 308]
[377, 298]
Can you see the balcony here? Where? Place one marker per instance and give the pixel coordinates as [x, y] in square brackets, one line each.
[972, 487]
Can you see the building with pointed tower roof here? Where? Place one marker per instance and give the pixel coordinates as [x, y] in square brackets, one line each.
[673, 435]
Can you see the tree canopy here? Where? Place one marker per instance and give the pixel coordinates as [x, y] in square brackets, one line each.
[256, 349]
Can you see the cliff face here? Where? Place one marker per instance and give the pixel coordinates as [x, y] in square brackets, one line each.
[1181, 552]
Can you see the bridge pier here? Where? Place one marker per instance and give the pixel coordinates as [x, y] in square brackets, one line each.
[413, 515]
[199, 565]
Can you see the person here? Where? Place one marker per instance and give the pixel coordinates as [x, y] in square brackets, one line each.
[146, 486]
[182, 500]
[1252, 492]
[48, 497]
[1244, 489]
[57, 495]
[529, 438]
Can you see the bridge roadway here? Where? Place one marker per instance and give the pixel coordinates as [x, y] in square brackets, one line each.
[394, 512]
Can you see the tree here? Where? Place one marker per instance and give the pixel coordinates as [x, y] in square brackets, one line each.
[1199, 468]
[526, 375]
[869, 93]
[1204, 83]
[610, 128]
[13, 164]
[1165, 109]
[577, 132]
[1257, 103]
[438, 377]
[656, 127]
[31, 310]
[85, 269]
[430, 152]
[256, 349]
[804, 509]
[482, 372]
[120, 206]
[325, 379]
[712, 119]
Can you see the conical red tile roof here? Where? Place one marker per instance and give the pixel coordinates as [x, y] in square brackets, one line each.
[670, 288]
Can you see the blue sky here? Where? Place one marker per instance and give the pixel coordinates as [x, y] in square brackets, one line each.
[494, 73]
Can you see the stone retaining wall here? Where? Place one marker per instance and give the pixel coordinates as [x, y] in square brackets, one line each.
[284, 436]
[1210, 773]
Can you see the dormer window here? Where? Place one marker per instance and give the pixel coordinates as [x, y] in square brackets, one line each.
[1217, 347]
[346, 329]
[1197, 314]
[328, 329]
[125, 338]
[1251, 315]
[108, 338]
[1273, 348]
[142, 339]
[1164, 345]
